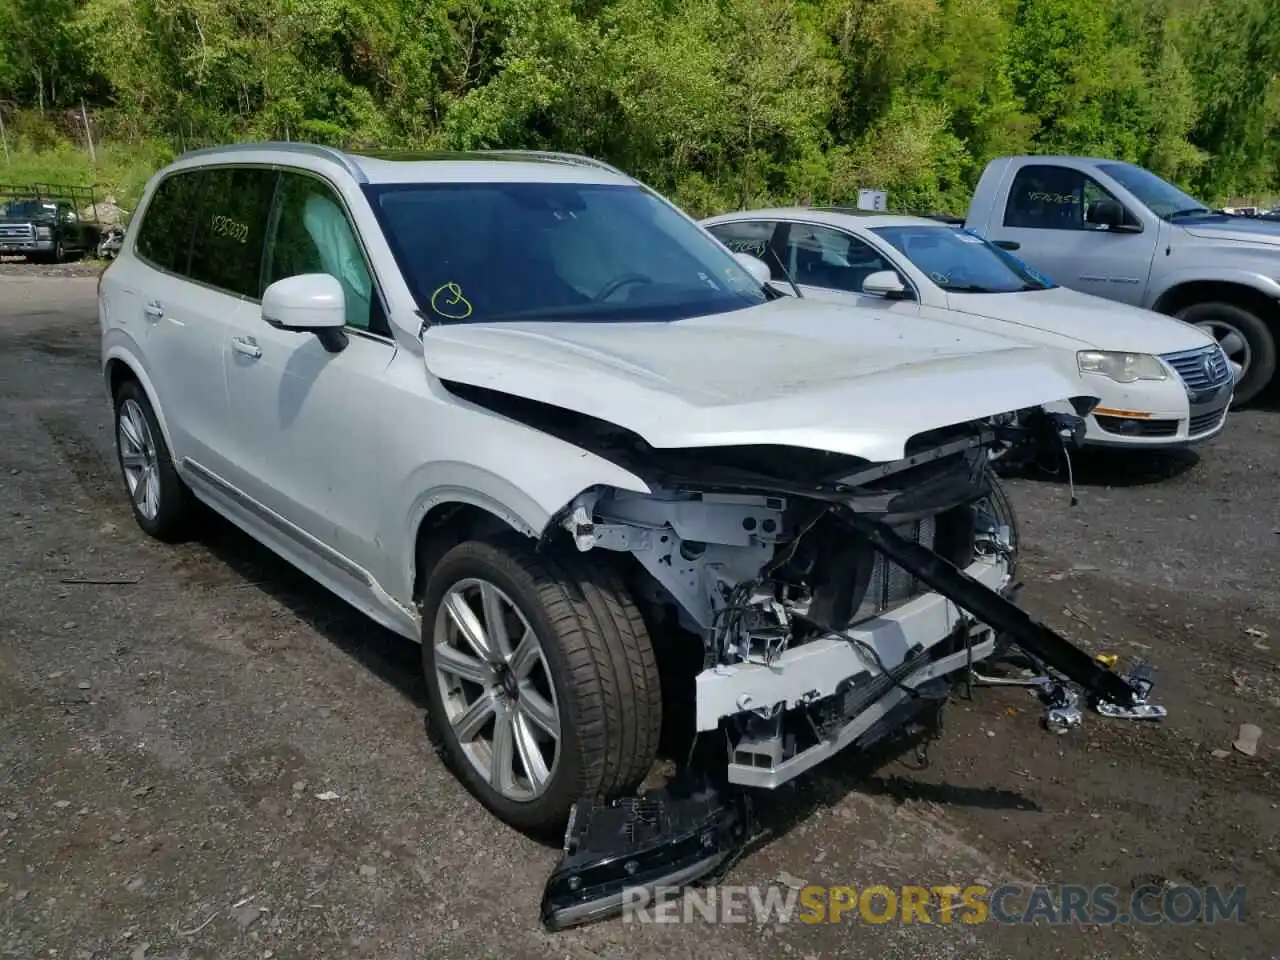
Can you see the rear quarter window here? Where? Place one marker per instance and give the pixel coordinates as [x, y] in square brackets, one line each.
[164, 236]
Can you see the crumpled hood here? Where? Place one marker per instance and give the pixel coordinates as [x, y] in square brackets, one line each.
[1241, 229]
[1069, 318]
[791, 372]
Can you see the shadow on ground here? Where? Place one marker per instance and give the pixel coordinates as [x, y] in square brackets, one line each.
[1112, 468]
[397, 662]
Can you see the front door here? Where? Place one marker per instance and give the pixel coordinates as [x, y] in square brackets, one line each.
[307, 419]
[831, 265]
[1047, 216]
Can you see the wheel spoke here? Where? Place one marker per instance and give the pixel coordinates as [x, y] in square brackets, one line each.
[501, 771]
[468, 724]
[140, 429]
[467, 624]
[495, 623]
[462, 665]
[1233, 344]
[129, 430]
[140, 489]
[152, 505]
[535, 706]
[527, 655]
[133, 459]
[535, 767]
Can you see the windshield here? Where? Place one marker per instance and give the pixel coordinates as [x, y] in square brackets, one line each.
[1160, 197]
[31, 210]
[488, 252]
[960, 262]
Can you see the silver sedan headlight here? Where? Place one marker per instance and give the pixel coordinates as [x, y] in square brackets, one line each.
[1122, 367]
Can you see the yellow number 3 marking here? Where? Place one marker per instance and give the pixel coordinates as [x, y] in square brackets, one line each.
[449, 302]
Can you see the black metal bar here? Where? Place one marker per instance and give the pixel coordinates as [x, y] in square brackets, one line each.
[996, 612]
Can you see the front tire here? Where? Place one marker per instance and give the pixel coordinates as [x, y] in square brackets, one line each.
[160, 500]
[1244, 337]
[542, 683]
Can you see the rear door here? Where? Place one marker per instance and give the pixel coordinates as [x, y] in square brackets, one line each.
[169, 314]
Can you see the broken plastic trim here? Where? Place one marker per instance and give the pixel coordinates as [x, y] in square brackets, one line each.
[667, 838]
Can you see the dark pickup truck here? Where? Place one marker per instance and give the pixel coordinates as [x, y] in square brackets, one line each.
[45, 223]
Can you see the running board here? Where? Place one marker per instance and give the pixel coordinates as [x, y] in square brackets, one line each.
[988, 606]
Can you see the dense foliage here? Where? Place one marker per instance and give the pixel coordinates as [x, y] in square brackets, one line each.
[720, 102]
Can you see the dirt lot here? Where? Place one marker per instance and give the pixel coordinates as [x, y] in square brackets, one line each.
[163, 738]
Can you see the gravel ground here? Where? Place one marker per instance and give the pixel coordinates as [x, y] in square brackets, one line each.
[163, 739]
[19, 267]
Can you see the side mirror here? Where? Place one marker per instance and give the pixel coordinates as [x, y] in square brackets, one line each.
[309, 303]
[1109, 214]
[884, 283]
[754, 266]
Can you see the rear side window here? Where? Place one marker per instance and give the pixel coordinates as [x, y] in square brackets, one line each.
[164, 236]
[232, 219]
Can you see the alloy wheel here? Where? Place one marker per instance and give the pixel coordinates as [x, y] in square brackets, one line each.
[497, 690]
[138, 458]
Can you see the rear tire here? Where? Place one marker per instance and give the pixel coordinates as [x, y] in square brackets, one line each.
[1226, 322]
[581, 714]
[161, 503]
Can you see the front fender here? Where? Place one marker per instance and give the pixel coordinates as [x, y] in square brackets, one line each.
[1167, 281]
[525, 499]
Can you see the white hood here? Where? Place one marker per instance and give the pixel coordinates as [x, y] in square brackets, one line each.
[791, 372]
[1070, 318]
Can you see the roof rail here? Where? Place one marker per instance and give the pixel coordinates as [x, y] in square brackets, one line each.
[289, 146]
[552, 156]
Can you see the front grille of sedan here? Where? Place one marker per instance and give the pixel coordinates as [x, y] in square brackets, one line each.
[1201, 369]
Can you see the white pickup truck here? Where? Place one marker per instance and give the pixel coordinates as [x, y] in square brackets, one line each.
[1118, 231]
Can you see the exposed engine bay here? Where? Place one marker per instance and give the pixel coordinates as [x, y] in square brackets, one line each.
[830, 617]
[835, 602]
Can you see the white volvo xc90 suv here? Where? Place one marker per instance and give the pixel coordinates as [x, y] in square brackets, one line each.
[522, 409]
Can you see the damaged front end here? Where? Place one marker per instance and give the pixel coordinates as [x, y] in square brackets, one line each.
[836, 602]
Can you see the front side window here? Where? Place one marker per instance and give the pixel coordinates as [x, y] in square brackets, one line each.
[493, 252]
[1046, 197]
[960, 262]
[231, 217]
[751, 237]
[313, 235]
[164, 236]
[826, 257]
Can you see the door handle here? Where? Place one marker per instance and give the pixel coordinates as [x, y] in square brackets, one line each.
[246, 346]
[153, 310]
